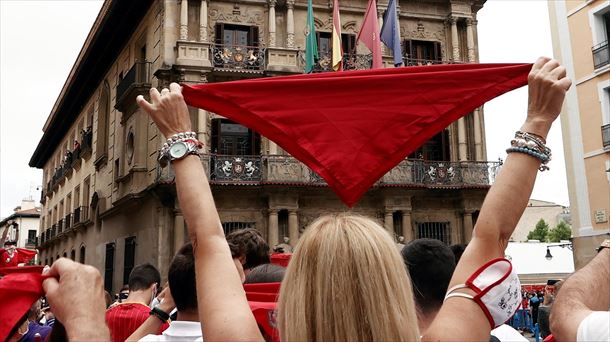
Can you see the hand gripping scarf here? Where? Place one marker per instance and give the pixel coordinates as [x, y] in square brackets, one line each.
[19, 289]
[352, 127]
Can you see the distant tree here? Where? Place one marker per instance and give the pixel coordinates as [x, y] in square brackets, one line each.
[562, 231]
[541, 231]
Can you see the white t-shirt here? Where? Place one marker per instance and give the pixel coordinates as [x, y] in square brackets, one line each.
[506, 333]
[595, 327]
[178, 331]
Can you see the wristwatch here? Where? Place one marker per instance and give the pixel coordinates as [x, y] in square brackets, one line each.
[605, 244]
[178, 150]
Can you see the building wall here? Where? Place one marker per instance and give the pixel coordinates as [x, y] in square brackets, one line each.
[577, 28]
[551, 213]
[129, 196]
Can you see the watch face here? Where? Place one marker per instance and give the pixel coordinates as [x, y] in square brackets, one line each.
[178, 150]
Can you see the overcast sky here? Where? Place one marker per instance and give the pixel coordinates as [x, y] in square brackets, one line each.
[40, 41]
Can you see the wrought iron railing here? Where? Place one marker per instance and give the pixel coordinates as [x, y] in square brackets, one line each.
[137, 76]
[351, 61]
[60, 226]
[235, 168]
[86, 143]
[283, 169]
[68, 222]
[30, 242]
[420, 62]
[606, 137]
[601, 55]
[238, 57]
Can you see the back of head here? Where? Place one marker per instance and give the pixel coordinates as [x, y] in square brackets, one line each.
[181, 278]
[346, 282]
[143, 276]
[251, 245]
[431, 264]
[458, 250]
[266, 273]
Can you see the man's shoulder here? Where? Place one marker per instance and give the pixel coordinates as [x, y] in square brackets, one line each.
[126, 309]
[595, 327]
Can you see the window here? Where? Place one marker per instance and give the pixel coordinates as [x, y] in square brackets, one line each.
[282, 218]
[236, 35]
[31, 237]
[599, 21]
[228, 227]
[73, 255]
[421, 52]
[325, 43]
[103, 122]
[435, 149]
[109, 266]
[397, 220]
[434, 230]
[229, 138]
[81, 256]
[129, 258]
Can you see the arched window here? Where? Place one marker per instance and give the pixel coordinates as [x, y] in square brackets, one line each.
[73, 255]
[81, 257]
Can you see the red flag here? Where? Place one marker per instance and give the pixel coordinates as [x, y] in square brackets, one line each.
[372, 121]
[369, 33]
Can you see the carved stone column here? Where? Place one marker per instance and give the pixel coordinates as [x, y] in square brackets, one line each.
[272, 148]
[203, 21]
[470, 40]
[468, 226]
[389, 221]
[290, 24]
[184, 20]
[478, 138]
[272, 236]
[272, 22]
[407, 229]
[462, 145]
[293, 227]
[455, 39]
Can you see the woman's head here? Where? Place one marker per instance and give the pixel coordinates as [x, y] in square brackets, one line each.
[346, 282]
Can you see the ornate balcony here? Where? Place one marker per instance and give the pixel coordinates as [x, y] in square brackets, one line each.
[286, 170]
[601, 55]
[68, 222]
[236, 57]
[135, 82]
[351, 61]
[420, 62]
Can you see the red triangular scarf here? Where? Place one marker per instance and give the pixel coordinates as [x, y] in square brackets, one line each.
[18, 291]
[353, 127]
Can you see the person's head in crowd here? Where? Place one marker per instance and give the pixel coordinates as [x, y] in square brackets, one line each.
[181, 278]
[35, 312]
[266, 273]
[430, 264]
[19, 330]
[48, 314]
[123, 293]
[108, 298]
[253, 250]
[316, 303]
[144, 281]
[458, 249]
[10, 246]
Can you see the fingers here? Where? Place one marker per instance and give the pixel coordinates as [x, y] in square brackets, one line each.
[559, 72]
[144, 104]
[550, 66]
[155, 97]
[175, 88]
[540, 62]
[565, 83]
[60, 266]
[164, 91]
[50, 286]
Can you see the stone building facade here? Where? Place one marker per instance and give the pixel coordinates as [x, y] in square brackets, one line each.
[580, 32]
[107, 203]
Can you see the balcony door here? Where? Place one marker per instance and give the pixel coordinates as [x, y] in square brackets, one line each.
[325, 43]
[230, 138]
[236, 35]
[435, 149]
[423, 51]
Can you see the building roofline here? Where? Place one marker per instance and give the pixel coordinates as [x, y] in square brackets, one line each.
[108, 36]
[17, 215]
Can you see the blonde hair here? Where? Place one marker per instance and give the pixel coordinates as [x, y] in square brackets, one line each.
[346, 281]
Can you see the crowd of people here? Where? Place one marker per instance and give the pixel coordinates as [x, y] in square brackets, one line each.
[346, 280]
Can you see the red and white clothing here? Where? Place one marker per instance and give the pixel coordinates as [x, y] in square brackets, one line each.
[19, 256]
[123, 319]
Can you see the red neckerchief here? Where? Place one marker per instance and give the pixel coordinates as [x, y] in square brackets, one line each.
[352, 127]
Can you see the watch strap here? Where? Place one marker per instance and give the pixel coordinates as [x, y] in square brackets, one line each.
[160, 314]
[605, 244]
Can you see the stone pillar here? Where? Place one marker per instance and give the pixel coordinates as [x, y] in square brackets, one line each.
[272, 236]
[454, 39]
[272, 22]
[184, 20]
[380, 20]
[468, 226]
[389, 221]
[407, 229]
[178, 231]
[293, 227]
[478, 139]
[202, 126]
[462, 145]
[272, 148]
[290, 24]
[470, 40]
[203, 21]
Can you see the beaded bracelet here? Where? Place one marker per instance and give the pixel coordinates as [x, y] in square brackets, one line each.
[544, 159]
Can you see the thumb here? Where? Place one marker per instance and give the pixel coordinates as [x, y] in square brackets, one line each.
[50, 286]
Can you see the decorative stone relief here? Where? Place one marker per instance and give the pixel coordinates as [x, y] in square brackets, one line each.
[250, 17]
[350, 26]
[421, 33]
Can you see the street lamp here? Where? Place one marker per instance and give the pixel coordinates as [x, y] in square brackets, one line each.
[548, 255]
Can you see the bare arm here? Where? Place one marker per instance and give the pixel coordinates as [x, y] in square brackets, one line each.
[221, 299]
[585, 291]
[5, 233]
[503, 206]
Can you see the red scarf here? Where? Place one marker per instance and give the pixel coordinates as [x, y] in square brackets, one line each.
[353, 127]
